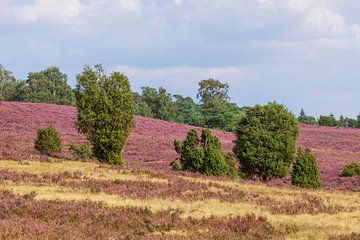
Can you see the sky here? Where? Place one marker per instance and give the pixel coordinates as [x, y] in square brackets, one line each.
[301, 53]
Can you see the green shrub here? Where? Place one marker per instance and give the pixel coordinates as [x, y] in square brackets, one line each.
[48, 141]
[266, 141]
[105, 112]
[305, 171]
[351, 170]
[231, 165]
[214, 159]
[190, 151]
[175, 166]
[201, 155]
[81, 151]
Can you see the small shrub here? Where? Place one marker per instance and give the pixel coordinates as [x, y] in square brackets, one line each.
[191, 154]
[80, 151]
[305, 170]
[175, 166]
[214, 159]
[201, 155]
[48, 141]
[351, 170]
[231, 165]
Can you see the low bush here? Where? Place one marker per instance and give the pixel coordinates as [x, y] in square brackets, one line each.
[351, 170]
[305, 171]
[48, 141]
[201, 155]
[80, 151]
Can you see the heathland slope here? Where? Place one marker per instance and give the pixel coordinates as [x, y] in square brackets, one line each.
[150, 144]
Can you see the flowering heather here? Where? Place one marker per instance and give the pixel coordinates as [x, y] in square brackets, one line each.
[150, 145]
[23, 217]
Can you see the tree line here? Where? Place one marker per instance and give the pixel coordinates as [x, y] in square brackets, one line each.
[213, 110]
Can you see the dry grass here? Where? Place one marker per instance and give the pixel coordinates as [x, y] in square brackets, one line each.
[315, 225]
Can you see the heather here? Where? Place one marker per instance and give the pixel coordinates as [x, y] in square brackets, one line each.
[24, 217]
[150, 144]
[87, 200]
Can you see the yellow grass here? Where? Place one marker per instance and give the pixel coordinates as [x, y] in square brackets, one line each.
[90, 170]
[319, 226]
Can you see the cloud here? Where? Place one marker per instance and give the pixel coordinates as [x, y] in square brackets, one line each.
[264, 49]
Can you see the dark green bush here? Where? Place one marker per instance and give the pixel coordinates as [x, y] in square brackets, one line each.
[266, 141]
[214, 159]
[231, 165]
[305, 172]
[48, 141]
[190, 151]
[201, 155]
[351, 170]
[105, 112]
[81, 151]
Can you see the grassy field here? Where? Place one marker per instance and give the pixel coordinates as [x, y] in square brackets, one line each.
[70, 199]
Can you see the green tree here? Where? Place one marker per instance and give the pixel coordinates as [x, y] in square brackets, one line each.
[49, 86]
[305, 171]
[212, 89]
[7, 84]
[303, 118]
[327, 120]
[105, 111]
[266, 141]
[160, 102]
[187, 111]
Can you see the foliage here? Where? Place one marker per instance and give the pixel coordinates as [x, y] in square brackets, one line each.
[351, 170]
[7, 84]
[212, 89]
[190, 151]
[48, 141]
[158, 104]
[231, 165]
[81, 151]
[201, 155]
[303, 118]
[105, 111]
[214, 159]
[48, 86]
[223, 116]
[187, 111]
[305, 172]
[327, 120]
[266, 141]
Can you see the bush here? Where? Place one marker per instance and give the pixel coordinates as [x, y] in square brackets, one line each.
[48, 141]
[105, 112]
[81, 151]
[305, 171]
[204, 156]
[351, 170]
[191, 154]
[214, 159]
[266, 141]
[231, 165]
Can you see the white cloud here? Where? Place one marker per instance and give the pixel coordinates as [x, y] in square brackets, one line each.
[177, 2]
[323, 22]
[62, 11]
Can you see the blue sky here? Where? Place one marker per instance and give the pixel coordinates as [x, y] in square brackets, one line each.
[302, 53]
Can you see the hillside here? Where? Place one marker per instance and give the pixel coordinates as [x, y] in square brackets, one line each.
[150, 144]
